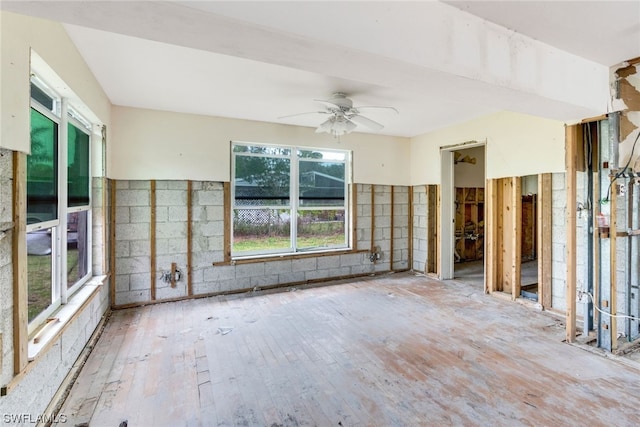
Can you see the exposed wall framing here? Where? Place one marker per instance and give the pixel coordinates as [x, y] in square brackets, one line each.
[433, 227]
[152, 239]
[544, 213]
[573, 139]
[226, 187]
[189, 238]
[19, 253]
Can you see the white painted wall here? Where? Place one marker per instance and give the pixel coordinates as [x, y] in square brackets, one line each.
[151, 144]
[516, 145]
[19, 34]
[467, 174]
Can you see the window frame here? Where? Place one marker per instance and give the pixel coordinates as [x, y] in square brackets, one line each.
[62, 114]
[294, 206]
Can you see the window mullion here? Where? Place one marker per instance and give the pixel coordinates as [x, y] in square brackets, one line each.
[60, 286]
[293, 197]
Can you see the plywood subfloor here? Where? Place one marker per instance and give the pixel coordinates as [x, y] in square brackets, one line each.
[399, 350]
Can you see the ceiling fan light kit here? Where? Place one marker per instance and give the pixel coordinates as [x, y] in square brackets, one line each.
[344, 117]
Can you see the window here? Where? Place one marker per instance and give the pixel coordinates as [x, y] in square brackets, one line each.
[58, 204]
[289, 199]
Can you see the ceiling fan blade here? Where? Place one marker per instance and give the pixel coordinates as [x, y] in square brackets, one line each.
[377, 106]
[361, 120]
[302, 114]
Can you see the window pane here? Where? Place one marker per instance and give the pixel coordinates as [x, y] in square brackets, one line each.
[42, 170]
[321, 229]
[325, 155]
[261, 181]
[77, 247]
[39, 271]
[40, 96]
[260, 230]
[321, 183]
[261, 149]
[78, 167]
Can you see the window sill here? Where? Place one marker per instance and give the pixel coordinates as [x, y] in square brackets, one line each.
[281, 257]
[63, 316]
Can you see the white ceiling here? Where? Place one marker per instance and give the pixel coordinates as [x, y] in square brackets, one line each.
[263, 60]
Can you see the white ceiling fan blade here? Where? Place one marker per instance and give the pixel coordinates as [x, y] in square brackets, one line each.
[377, 106]
[361, 120]
[302, 114]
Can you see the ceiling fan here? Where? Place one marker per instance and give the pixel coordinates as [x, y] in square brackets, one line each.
[343, 116]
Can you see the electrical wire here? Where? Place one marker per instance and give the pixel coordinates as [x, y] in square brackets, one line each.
[623, 170]
[617, 316]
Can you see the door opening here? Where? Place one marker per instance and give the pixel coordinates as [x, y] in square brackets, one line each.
[462, 212]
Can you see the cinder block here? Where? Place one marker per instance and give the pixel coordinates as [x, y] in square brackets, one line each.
[171, 198]
[177, 213]
[216, 243]
[303, 264]
[215, 213]
[176, 185]
[131, 297]
[211, 228]
[267, 280]
[316, 274]
[278, 267]
[139, 231]
[236, 284]
[197, 275]
[173, 230]
[198, 213]
[168, 292]
[140, 214]
[287, 278]
[133, 265]
[122, 215]
[350, 260]
[140, 185]
[140, 247]
[211, 186]
[132, 198]
[250, 270]
[201, 288]
[161, 185]
[221, 273]
[122, 282]
[139, 281]
[362, 269]
[122, 249]
[328, 262]
[215, 198]
[121, 184]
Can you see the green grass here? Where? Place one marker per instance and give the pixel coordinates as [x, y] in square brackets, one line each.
[39, 278]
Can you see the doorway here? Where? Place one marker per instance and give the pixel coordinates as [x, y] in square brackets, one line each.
[462, 212]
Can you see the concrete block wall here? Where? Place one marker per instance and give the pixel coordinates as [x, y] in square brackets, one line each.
[559, 242]
[133, 262]
[622, 252]
[34, 391]
[98, 236]
[419, 228]
[6, 267]
[401, 228]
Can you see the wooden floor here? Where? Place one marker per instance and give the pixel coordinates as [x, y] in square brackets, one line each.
[400, 350]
